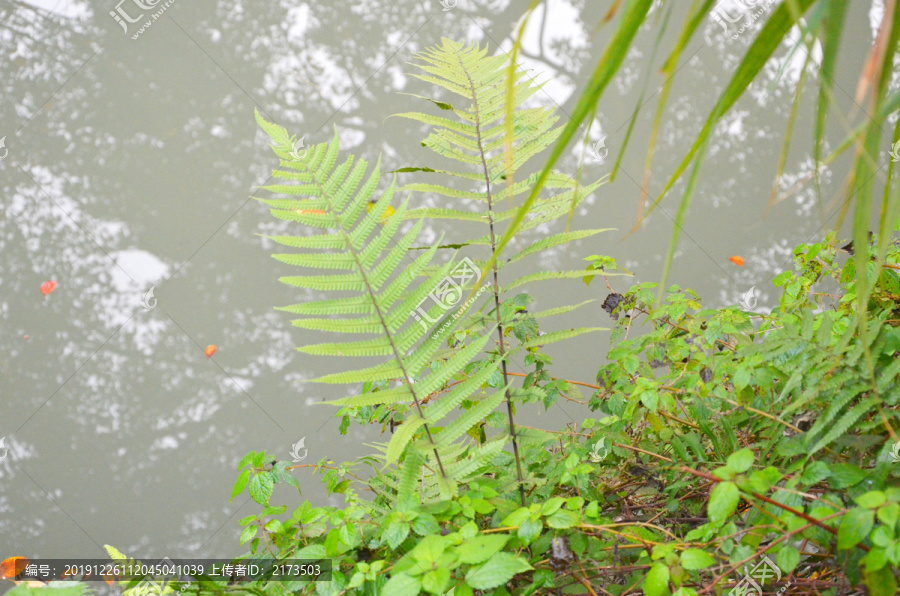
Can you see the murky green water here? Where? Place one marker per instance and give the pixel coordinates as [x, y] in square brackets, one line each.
[129, 166]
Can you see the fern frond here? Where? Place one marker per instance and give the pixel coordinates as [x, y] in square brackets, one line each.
[469, 418]
[359, 252]
[559, 310]
[555, 336]
[555, 240]
[845, 422]
[548, 275]
[478, 459]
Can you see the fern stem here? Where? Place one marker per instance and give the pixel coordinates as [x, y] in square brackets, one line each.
[503, 355]
[381, 318]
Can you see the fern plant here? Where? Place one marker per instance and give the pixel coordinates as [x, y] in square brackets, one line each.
[476, 138]
[382, 288]
[387, 294]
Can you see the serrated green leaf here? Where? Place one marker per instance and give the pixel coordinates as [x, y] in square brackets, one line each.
[402, 584]
[656, 582]
[261, 487]
[498, 570]
[723, 500]
[855, 527]
[694, 558]
[481, 548]
[788, 558]
[740, 461]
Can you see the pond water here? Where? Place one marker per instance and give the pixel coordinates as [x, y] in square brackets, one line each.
[130, 158]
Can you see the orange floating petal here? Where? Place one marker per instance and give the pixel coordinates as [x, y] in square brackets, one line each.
[47, 287]
[737, 260]
[209, 351]
[12, 567]
[309, 211]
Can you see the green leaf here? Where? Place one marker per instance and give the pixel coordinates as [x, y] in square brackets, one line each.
[516, 517]
[814, 473]
[242, 480]
[246, 460]
[656, 583]
[480, 548]
[395, 534]
[401, 584]
[248, 534]
[889, 514]
[788, 558]
[563, 519]
[529, 530]
[881, 582]
[871, 500]
[498, 570]
[435, 581]
[694, 558]
[740, 461]
[430, 548]
[723, 500]
[846, 475]
[551, 505]
[261, 487]
[855, 526]
[425, 524]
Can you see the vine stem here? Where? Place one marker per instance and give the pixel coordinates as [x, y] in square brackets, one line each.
[787, 508]
[496, 284]
[514, 374]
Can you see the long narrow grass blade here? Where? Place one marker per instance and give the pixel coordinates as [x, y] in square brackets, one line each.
[640, 100]
[786, 144]
[762, 49]
[834, 25]
[679, 220]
